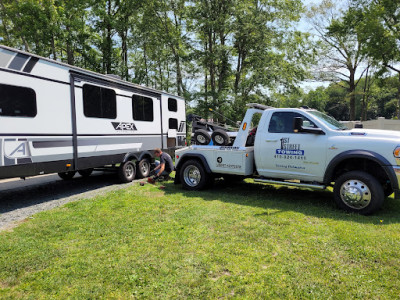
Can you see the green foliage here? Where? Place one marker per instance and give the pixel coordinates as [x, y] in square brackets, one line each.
[221, 54]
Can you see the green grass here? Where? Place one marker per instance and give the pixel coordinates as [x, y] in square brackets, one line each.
[248, 241]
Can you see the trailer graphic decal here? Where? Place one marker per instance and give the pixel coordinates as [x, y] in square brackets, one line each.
[16, 149]
[121, 126]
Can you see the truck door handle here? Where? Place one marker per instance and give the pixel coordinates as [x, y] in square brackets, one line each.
[271, 141]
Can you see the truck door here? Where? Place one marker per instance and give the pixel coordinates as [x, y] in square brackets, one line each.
[281, 153]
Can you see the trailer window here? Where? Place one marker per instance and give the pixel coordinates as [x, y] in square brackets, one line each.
[142, 108]
[173, 123]
[99, 102]
[172, 104]
[16, 101]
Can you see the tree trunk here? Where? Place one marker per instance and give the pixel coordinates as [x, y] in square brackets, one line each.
[364, 100]
[53, 47]
[70, 51]
[398, 98]
[124, 51]
[352, 89]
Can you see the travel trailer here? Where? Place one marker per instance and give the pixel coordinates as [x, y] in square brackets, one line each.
[57, 118]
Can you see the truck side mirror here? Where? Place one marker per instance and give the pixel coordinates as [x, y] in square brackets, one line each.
[298, 127]
[297, 124]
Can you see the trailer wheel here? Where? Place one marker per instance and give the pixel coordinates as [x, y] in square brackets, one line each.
[143, 168]
[193, 176]
[202, 137]
[220, 138]
[67, 175]
[127, 171]
[358, 192]
[86, 172]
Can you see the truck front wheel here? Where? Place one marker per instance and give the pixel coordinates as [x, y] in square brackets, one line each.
[193, 176]
[359, 192]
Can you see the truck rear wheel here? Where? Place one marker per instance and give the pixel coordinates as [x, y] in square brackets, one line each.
[359, 192]
[193, 176]
[127, 171]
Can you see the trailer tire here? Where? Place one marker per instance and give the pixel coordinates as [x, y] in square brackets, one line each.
[86, 172]
[202, 137]
[193, 176]
[127, 171]
[358, 192]
[67, 175]
[143, 168]
[220, 138]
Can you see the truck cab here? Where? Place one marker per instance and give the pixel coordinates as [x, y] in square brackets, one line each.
[303, 147]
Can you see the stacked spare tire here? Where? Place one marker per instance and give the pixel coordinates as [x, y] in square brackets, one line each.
[204, 132]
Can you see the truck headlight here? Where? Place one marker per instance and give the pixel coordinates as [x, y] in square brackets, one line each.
[396, 152]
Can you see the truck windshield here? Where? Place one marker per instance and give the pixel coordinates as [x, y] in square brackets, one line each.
[328, 121]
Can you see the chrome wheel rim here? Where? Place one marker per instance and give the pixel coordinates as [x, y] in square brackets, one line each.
[201, 139]
[355, 194]
[192, 176]
[144, 168]
[219, 139]
[129, 171]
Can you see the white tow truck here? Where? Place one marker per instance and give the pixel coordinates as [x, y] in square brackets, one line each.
[301, 147]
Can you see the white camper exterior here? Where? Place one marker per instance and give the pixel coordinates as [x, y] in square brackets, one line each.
[56, 118]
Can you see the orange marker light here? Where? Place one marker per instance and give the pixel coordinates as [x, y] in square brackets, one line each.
[396, 152]
[244, 126]
[68, 165]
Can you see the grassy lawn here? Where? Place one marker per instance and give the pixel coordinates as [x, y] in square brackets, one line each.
[247, 240]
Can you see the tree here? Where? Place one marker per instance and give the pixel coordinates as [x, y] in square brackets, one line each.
[342, 47]
[379, 28]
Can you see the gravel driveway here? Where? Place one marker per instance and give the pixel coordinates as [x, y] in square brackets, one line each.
[20, 199]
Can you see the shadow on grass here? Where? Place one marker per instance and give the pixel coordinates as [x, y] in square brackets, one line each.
[282, 198]
[52, 189]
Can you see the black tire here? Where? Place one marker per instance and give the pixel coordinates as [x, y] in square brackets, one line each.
[67, 175]
[143, 168]
[202, 137]
[220, 138]
[358, 192]
[127, 171]
[193, 176]
[86, 172]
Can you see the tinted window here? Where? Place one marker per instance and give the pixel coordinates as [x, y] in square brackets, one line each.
[16, 101]
[142, 108]
[172, 104]
[282, 122]
[99, 102]
[173, 124]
